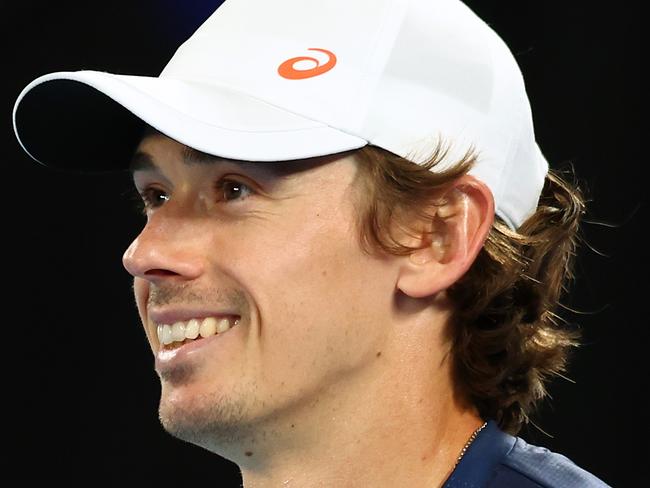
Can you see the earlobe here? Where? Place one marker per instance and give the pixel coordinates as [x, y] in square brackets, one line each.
[463, 218]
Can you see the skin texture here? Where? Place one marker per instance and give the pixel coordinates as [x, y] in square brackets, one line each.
[338, 372]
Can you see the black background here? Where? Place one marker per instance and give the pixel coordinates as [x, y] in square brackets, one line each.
[79, 383]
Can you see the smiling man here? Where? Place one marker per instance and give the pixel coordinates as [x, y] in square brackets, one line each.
[352, 252]
[274, 332]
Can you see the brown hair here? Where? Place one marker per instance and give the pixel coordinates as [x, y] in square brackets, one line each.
[507, 340]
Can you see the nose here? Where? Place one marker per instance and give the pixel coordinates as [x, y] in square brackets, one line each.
[164, 249]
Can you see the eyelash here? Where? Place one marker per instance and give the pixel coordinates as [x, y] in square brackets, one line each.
[144, 202]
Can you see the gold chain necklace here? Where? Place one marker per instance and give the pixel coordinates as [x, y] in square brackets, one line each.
[469, 442]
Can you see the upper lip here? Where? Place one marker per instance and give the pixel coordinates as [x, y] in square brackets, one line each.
[171, 316]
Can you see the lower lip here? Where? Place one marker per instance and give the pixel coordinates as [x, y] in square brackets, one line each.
[168, 358]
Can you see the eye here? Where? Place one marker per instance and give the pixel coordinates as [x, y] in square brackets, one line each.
[233, 190]
[153, 197]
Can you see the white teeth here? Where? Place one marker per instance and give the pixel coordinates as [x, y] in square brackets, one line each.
[166, 336]
[223, 325]
[178, 331]
[191, 329]
[208, 327]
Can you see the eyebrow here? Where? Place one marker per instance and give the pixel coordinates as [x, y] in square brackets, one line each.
[143, 161]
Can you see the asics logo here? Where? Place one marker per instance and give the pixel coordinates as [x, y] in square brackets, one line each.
[288, 71]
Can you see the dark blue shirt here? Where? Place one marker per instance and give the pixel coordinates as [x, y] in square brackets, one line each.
[496, 459]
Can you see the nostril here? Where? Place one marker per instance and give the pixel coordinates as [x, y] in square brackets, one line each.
[159, 272]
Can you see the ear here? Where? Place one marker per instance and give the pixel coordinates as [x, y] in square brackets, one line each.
[464, 214]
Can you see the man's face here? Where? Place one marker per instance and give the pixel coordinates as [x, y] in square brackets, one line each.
[273, 247]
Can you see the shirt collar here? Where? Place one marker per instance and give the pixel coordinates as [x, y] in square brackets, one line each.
[483, 454]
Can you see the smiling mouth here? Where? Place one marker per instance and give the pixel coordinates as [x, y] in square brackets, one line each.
[183, 332]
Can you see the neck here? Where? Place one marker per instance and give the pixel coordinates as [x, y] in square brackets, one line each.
[391, 431]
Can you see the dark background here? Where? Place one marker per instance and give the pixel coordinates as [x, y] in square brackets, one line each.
[79, 381]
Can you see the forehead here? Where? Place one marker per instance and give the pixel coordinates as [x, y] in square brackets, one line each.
[156, 149]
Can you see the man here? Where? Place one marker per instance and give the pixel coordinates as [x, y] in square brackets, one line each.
[353, 245]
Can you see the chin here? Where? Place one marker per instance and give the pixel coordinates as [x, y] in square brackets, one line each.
[207, 419]
[185, 418]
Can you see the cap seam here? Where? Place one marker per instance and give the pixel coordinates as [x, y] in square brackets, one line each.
[371, 85]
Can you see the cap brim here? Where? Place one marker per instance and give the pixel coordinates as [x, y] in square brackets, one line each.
[93, 121]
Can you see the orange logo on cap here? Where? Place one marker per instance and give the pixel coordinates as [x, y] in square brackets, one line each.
[286, 69]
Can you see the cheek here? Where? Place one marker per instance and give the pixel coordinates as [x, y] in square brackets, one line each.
[141, 293]
[298, 258]
[312, 285]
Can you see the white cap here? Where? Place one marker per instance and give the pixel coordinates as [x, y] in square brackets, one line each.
[280, 80]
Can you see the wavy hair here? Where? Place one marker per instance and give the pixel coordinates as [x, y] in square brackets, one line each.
[507, 341]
